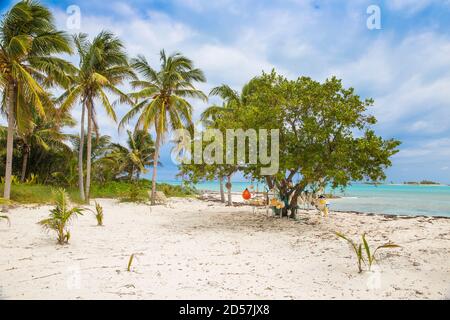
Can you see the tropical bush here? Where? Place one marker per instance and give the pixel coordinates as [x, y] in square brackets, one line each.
[61, 216]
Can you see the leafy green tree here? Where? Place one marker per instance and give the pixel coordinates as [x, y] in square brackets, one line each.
[102, 68]
[28, 41]
[326, 134]
[162, 99]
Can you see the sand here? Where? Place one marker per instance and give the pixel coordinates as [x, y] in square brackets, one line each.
[192, 249]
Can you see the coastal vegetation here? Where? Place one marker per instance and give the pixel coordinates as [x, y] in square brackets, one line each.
[325, 129]
[42, 193]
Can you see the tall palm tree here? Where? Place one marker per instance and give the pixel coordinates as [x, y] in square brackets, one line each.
[136, 156]
[162, 98]
[103, 66]
[28, 39]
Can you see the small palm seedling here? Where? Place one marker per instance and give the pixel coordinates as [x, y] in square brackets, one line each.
[371, 256]
[99, 214]
[5, 202]
[5, 218]
[358, 249]
[130, 261]
[61, 216]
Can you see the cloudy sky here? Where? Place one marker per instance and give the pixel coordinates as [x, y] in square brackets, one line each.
[404, 66]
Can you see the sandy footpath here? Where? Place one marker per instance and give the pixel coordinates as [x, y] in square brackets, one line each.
[191, 249]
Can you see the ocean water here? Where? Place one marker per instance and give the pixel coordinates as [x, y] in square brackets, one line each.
[385, 199]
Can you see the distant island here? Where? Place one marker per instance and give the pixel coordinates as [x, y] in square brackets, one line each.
[424, 182]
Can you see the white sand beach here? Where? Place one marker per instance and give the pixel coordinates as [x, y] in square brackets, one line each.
[192, 249]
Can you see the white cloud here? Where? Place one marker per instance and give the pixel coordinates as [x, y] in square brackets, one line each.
[409, 6]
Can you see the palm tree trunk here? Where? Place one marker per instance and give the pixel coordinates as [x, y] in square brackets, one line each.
[155, 166]
[80, 155]
[222, 194]
[230, 201]
[9, 142]
[130, 174]
[26, 155]
[88, 153]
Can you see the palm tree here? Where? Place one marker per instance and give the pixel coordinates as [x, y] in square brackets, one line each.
[103, 66]
[216, 116]
[44, 134]
[162, 98]
[231, 99]
[138, 154]
[28, 39]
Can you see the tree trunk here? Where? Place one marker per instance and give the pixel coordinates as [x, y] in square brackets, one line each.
[9, 141]
[155, 166]
[222, 194]
[130, 175]
[26, 155]
[80, 156]
[230, 200]
[89, 153]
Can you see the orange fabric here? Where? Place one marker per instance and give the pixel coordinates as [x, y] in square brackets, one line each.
[246, 195]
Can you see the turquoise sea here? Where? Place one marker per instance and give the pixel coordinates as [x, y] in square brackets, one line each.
[385, 199]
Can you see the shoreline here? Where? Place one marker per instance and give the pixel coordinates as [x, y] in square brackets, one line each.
[386, 215]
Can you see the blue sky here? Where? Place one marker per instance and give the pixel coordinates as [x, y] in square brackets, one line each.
[405, 66]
